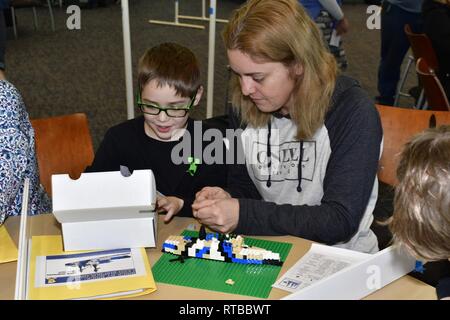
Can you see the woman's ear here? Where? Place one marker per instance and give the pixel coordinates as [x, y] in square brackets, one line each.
[198, 96]
[298, 69]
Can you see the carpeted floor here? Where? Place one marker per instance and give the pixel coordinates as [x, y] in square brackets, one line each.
[83, 70]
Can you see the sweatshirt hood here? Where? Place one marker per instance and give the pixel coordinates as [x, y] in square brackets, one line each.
[343, 83]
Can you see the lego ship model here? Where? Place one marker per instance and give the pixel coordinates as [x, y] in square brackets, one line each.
[212, 246]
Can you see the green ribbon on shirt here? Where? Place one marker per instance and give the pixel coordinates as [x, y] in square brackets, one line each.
[193, 162]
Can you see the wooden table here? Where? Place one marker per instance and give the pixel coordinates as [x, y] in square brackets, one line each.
[403, 288]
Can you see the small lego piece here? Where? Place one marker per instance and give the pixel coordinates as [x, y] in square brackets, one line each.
[419, 267]
[190, 227]
[202, 233]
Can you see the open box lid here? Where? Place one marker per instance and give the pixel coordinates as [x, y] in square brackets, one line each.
[103, 195]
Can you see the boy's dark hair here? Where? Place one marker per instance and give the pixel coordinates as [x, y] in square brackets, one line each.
[170, 64]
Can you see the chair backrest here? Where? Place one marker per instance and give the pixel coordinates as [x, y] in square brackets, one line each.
[434, 92]
[399, 125]
[63, 145]
[422, 47]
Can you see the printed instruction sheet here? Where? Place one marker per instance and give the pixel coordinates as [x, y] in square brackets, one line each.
[318, 263]
[54, 270]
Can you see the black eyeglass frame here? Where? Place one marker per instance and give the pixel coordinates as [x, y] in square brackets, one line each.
[186, 109]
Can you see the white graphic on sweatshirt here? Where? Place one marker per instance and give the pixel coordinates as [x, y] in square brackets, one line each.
[285, 159]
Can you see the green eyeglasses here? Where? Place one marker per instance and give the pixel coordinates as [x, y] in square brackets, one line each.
[154, 110]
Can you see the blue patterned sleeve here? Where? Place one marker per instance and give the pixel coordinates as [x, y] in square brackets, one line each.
[16, 143]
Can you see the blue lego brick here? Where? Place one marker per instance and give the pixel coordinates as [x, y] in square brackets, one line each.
[170, 246]
[200, 253]
[227, 249]
[210, 236]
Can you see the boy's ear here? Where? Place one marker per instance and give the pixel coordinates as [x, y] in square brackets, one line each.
[198, 96]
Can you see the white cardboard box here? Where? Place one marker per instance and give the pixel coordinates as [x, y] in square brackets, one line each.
[105, 210]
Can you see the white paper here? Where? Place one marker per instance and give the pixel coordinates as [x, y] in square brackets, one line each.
[318, 263]
[335, 39]
[73, 269]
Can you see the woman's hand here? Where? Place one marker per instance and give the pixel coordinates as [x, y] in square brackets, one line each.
[221, 215]
[211, 193]
[171, 205]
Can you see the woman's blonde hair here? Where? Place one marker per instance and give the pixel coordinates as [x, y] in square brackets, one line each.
[281, 31]
[421, 220]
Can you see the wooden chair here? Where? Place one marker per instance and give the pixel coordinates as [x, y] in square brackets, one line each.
[63, 145]
[421, 47]
[399, 125]
[434, 92]
[17, 4]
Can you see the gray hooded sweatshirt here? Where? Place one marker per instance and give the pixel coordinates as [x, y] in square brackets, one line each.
[324, 188]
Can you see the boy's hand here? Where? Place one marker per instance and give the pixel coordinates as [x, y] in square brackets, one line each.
[221, 215]
[171, 205]
[211, 193]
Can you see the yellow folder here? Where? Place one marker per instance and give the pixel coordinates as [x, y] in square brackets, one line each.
[8, 250]
[126, 287]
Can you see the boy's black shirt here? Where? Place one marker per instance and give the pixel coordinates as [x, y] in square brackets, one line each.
[127, 144]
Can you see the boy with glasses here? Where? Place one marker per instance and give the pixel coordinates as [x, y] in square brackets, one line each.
[168, 88]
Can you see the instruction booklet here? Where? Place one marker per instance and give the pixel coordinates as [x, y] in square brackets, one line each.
[103, 274]
[318, 263]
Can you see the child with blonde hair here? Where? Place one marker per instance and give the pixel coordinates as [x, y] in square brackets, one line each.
[421, 219]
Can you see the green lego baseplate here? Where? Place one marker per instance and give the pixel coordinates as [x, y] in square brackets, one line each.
[248, 280]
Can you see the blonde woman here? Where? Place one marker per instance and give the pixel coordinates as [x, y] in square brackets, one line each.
[421, 219]
[436, 21]
[311, 138]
